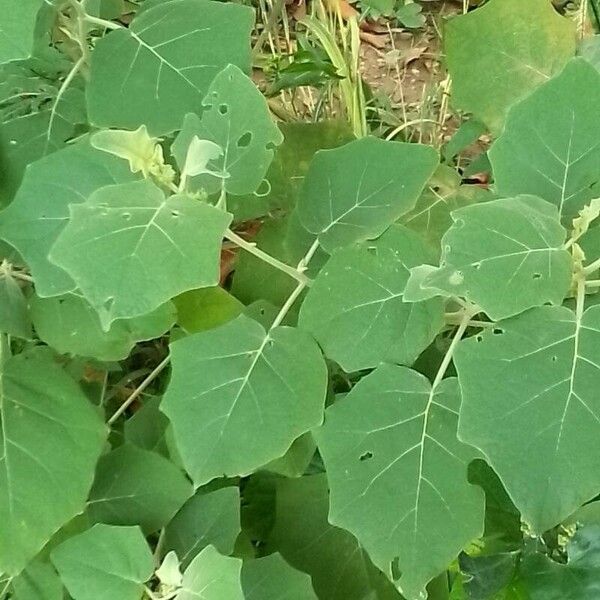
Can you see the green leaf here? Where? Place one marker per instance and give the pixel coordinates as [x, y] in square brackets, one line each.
[357, 191]
[105, 563]
[339, 567]
[51, 438]
[499, 53]
[206, 308]
[355, 307]
[71, 326]
[17, 28]
[546, 579]
[40, 209]
[160, 67]
[516, 241]
[225, 378]
[39, 581]
[271, 578]
[398, 474]
[235, 117]
[130, 249]
[211, 518]
[212, 576]
[296, 460]
[536, 435]
[14, 315]
[137, 487]
[147, 428]
[549, 147]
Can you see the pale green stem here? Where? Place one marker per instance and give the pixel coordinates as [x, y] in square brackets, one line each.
[102, 22]
[593, 283]
[592, 267]
[139, 390]
[252, 249]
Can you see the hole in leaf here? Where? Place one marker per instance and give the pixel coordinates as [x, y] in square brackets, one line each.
[244, 140]
[395, 568]
[476, 266]
[366, 456]
[479, 338]
[108, 303]
[126, 216]
[372, 250]
[554, 358]
[223, 109]
[537, 275]
[175, 213]
[497, 331]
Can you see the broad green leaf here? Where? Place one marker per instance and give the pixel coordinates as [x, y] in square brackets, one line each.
[235, 117]
[530, 404]
[239, 374]
[147, 428]
[589, 48]
[499, 53]
[51, 438]
[160, 67]
[549, 147]
[398, 474]
[14, 315]
[39, 581]
[487, 576]
[355, 307]
[206, 308]
[137, 487]
[212, 576]
[130, 249]
[290, 164]
[339, 567]
[546, 579]
[71, 326]
[17, 28]
[296, 460]
[357, 191]
[271, 578]
[105, 9]
[505, 256]
[105, 563]
[207, 518]
[40, 209]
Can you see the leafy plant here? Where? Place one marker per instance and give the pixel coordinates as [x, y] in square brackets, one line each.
[392, 393]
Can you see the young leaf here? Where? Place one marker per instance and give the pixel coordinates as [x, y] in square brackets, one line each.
[339, 567]
[357, 191]
[130, 249]
[211, 518]
[505, 256]
[40, 210]
[235, 117]
[52, 438]
[17, 28]
[355, 308]
[159, 68]
[499, 53]
[105, 563]
[70, 325]
[137, 487]
[549, 147]
[398, 474]
[237, 374]
[530, 403]
[271, 578]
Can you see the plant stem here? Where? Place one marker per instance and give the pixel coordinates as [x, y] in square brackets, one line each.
[138, 391]
[102, 22]
[271, 260]
[592, 267]
[593, 283]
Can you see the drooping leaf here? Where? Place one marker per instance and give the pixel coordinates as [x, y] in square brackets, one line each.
[271, 578]
[40, 209]
[14, 316]
[212, 576]
[235, 117]
[137, 487]
[39, 581]
[499, 53]
[355, 308]
[207, 518]
[160, 67]
[105, 563]
[505, 256]
[398, 474]
[357, 191]
[51, 438]
[237, 374]
[17, 28]
[530, 404]
[206, 308]
[549, 147]
[71, 326]
[130, 249]
[339, 567]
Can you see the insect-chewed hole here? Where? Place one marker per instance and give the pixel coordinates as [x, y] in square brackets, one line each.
[372, 250]
[395, 568]
[244, 140]
[537, 276]
[126, 216]
[554, 358]
[479, 338]
[477, 266]
[175, 213]
[223, 109]
[365, 456]
[497, 331]
[108, 303]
